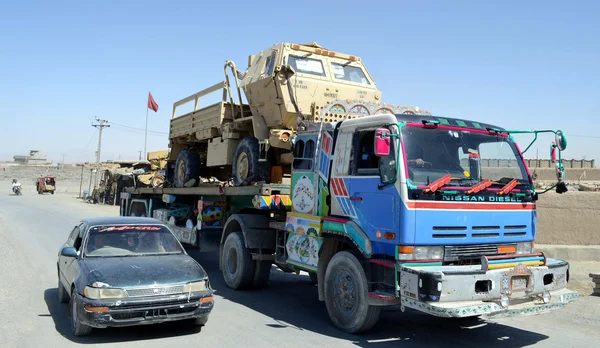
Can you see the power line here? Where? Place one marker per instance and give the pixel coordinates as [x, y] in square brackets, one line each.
[583, 136]
[139, 129]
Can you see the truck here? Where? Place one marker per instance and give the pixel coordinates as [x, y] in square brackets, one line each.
[385, 206]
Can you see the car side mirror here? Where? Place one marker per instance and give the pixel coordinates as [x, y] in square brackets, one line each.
[382, 142]
[68, 252]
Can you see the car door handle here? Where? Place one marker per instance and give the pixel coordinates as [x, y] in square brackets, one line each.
[356, 198]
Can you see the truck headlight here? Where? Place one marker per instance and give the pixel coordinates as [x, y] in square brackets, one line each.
[196, 286]
[525, 248]
[420, 252]
[103, 293]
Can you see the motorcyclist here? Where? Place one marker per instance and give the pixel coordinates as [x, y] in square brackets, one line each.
[15, 184]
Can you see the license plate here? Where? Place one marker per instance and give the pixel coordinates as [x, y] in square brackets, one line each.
[519, 283]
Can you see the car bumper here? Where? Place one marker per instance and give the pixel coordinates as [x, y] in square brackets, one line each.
[140, 311]
[465, 291]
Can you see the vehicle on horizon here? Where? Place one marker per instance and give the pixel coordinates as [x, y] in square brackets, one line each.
[124, 271]
[45, 184]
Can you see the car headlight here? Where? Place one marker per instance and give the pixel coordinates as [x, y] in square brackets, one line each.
[421, 252]
[196, 286]
[103, 293]
[525, 248]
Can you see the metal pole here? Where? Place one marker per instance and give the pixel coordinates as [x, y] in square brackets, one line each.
[100, 126]
[81, 181]
[146, 133]
[90, 188]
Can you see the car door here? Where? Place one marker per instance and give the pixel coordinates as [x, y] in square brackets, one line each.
[70, 265]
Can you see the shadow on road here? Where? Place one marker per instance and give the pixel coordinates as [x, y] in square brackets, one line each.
[59, 313]
[292, 302]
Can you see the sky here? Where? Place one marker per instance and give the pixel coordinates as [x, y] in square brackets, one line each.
[516, 64]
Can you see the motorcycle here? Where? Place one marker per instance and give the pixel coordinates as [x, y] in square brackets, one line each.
[17, 190]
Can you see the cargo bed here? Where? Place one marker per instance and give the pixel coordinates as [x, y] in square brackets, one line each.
[216, 190]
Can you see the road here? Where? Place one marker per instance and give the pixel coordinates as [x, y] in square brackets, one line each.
[287, 314]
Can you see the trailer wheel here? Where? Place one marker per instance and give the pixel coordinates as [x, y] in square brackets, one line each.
[262, 272]
[187, 167]
[246, 169]
[238, 266]
[346, 294]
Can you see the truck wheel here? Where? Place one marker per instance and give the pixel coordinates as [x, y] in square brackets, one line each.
[262, 272]
[246, 168]
[313, 277]
[346, 295]
[187, 167]
[238, 266]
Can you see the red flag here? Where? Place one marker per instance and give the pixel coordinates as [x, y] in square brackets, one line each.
[151, 103]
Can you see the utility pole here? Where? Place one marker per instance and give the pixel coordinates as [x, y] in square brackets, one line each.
[140, 152]
[101, 125]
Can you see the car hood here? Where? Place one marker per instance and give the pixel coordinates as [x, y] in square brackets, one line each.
[141, 271]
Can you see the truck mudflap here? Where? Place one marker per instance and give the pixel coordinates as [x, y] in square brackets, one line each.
[464, 291]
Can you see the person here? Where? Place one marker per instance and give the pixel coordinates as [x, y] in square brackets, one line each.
[15, 184]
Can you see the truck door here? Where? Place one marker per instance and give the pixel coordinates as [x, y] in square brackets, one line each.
[355, 186]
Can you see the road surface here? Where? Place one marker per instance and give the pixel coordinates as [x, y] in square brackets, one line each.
[287, 314]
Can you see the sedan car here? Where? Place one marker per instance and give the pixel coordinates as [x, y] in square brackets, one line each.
[122, 271]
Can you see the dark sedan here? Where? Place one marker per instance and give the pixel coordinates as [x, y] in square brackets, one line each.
[122, 271]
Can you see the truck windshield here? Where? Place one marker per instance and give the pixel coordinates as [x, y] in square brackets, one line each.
[467, 156]
[349, 73]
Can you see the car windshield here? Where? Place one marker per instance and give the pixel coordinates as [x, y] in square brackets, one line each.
[469, 157]
[130, 240]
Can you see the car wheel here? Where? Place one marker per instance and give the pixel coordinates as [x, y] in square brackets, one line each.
[346, 295]
[238, 266]
[63, 296]
[77, 328]
[200, 321]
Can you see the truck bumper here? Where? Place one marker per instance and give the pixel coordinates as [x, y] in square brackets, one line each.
[464, 291]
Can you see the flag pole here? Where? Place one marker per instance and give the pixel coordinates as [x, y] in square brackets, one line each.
[146, 133]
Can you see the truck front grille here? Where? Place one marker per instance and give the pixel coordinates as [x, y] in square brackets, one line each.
[469, 252]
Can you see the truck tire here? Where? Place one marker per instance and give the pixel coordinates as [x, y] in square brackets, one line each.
[246, 169]
[313, 277]
[346, 295]
[238, 266]
[187, 167]
[262, 272]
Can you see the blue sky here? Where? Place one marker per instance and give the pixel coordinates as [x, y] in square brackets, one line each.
[518, 64]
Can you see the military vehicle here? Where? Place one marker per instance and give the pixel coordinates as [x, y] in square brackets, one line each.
[248, 142]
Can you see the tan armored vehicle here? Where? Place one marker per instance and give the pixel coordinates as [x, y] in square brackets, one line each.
[246, 136]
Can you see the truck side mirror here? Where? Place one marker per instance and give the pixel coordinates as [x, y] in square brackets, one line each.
[560, 140]
[382, 142]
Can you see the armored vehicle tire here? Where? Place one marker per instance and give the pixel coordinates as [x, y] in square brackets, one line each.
[346, 295]
[187, 167]
[262, 272]
[246, 169]
[238, 266]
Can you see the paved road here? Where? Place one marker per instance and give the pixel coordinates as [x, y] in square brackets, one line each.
[287, 314]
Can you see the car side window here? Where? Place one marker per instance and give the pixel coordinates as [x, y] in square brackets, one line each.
[72, 236]
[78, 239]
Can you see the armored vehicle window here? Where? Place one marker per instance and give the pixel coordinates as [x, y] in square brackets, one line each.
[307, 65]
[270, 64]
[349, 73]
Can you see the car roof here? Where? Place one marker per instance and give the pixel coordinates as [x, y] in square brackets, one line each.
[116, 220]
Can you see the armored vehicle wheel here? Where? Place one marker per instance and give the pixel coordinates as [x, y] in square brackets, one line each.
[246, 169]
[187, 167]
[346, 295]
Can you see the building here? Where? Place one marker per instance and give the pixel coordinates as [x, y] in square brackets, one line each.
[35, 157]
